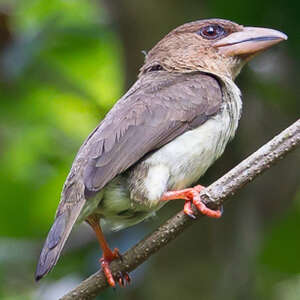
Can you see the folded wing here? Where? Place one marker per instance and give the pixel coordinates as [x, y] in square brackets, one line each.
[157, 109]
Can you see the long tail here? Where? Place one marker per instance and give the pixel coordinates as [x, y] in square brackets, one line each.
[57, 236]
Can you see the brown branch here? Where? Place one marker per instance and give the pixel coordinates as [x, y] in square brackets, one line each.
[213, 196]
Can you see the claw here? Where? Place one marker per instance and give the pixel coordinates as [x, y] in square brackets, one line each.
[188, 209]
[121, 277]
[108, 255]
[127, 278]
[221, 210]
[116, 254]
[107, 272]
[192, 196]
[203, 208]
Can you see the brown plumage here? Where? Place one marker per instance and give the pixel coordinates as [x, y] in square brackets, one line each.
[161, 135]
[153, 113]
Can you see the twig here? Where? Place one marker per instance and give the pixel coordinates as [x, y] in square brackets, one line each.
[213, 196]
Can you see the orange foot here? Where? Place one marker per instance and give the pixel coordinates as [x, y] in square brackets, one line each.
[121, 277]
[192, 196]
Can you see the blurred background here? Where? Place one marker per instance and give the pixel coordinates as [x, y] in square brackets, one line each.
[63, 64]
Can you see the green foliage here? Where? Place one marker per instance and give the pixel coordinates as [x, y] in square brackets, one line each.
[62, 73]
[282, 241]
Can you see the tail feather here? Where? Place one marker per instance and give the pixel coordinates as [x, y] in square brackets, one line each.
[56, 239]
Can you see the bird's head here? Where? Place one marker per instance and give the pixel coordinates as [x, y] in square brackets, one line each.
[216, 46]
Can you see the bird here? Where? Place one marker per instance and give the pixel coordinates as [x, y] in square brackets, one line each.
[160, 137]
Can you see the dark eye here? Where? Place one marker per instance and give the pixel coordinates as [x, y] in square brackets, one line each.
[211, 32]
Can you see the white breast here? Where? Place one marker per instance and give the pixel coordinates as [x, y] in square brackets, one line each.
[184, 160]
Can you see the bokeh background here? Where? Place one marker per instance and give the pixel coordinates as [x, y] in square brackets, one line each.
[63, 63]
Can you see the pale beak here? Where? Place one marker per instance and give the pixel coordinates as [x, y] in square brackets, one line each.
[249, 41]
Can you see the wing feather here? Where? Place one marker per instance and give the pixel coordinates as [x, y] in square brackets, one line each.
[156, 110]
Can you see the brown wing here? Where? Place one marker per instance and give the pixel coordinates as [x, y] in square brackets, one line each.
[158, 108]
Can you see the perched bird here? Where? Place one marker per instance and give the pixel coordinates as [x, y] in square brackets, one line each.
[160, 137]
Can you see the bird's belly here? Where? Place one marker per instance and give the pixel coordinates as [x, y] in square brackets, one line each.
[184, 160]
[115, 207]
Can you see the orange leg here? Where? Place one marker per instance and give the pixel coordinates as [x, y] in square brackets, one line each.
[192, 196]
[108, 255]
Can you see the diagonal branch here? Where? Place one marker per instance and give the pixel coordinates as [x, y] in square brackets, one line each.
[213, 196]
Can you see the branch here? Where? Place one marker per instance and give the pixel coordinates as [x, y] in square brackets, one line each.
[213, 196]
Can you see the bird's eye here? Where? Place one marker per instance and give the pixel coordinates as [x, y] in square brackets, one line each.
[211, 32]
